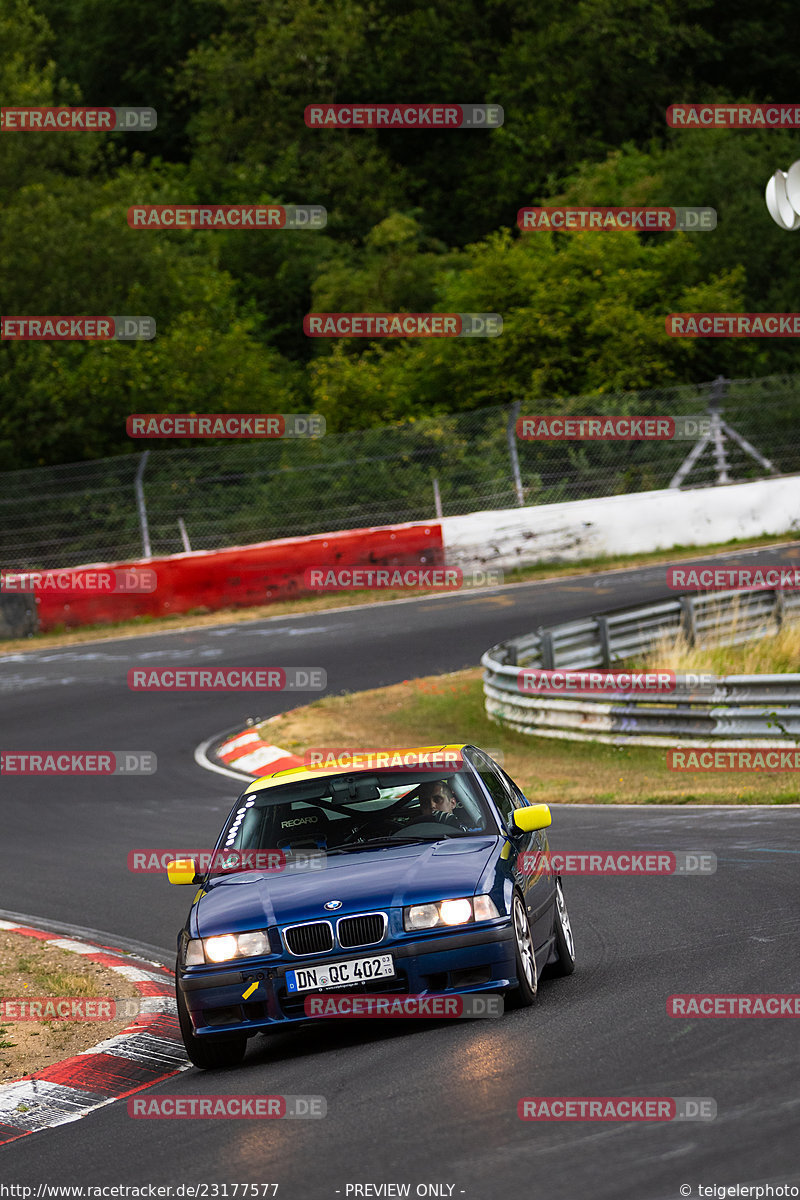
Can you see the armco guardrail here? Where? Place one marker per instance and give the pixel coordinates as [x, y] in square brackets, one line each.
[17, 616]
[743, 710]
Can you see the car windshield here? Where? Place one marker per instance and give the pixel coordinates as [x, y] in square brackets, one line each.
[340, 813]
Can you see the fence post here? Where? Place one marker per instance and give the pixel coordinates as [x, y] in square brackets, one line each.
[546, 645]
[140, 504]
[437, 498]
[184, 535]
[511, 436]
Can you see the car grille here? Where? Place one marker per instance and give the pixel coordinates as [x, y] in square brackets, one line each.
[361, 931]
[315, 938]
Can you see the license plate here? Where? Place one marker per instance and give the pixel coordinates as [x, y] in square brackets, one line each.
[354, 970]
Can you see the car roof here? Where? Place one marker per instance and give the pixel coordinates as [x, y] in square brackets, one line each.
[364, 764]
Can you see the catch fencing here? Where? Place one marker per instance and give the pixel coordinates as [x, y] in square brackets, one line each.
[167, 499]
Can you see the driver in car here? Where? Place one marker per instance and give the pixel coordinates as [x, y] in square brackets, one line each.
[438, 803]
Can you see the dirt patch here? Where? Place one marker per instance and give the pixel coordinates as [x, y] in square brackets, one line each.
[30, 968]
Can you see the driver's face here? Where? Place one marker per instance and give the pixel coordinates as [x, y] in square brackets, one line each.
[439, 799]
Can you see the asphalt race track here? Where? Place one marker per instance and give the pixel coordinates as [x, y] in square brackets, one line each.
[417, 1102]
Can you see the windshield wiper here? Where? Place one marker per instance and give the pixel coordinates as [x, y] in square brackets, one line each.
[384, 841]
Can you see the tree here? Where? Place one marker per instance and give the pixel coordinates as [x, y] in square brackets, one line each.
[582, 312]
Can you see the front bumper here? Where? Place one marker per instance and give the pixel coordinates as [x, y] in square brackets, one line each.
[480, 959]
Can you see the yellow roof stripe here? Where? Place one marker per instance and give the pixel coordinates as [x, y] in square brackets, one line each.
[295, 774]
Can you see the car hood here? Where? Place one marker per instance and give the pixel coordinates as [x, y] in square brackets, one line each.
[383, 878]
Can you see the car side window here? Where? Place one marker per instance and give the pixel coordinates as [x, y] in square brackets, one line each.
[496, 787]
[520, 801]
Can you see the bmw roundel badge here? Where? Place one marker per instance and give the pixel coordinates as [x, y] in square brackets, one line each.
[331, 905]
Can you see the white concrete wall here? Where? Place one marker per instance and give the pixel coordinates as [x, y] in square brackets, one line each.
[642, 521]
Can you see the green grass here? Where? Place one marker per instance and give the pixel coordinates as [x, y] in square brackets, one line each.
[450, 709]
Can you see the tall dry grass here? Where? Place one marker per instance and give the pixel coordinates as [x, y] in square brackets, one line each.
[776, 652]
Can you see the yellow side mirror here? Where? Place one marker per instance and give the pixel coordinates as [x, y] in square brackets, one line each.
[536, 816]
[181, 870]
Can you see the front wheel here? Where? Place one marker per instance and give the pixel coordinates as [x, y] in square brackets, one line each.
[527, 979]
[565, 943]
[207, 1052]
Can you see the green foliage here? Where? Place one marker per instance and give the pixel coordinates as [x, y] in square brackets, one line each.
[582, 312]
[418, 221]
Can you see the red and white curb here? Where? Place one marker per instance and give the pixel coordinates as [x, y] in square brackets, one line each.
[147, 1052]
[247, 752]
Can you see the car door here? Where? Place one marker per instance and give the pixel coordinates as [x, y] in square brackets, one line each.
[540, 896]
[526, 853]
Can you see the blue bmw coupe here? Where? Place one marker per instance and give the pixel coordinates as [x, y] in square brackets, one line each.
[363, 879]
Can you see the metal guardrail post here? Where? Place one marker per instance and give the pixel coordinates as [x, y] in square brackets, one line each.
[688, 619]
[780, 607]
[605, 641]
[742, 711]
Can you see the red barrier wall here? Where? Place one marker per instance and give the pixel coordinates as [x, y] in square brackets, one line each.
[241, 576]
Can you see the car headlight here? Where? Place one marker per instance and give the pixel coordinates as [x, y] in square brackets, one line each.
[449, 913]
[485, 908]
[194, 953]
[226, 946]
[455, 912]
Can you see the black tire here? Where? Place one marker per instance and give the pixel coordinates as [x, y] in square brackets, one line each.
[208, 1053]
[565, 942]
[524, 994]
